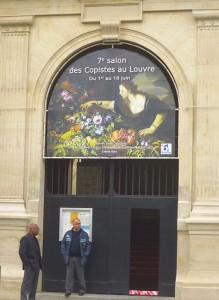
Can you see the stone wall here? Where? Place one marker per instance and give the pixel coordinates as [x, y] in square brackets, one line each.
[37, 37]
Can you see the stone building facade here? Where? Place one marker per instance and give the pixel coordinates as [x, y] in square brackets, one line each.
[37, 37]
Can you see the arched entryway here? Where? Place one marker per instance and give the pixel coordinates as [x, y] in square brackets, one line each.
[134, 198]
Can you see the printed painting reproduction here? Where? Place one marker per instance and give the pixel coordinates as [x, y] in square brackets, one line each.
[111, 103]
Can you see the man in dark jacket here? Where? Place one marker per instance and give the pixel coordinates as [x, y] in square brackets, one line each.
[29, 252]
[75, 248]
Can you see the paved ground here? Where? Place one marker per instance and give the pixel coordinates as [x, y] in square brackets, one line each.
[10, 290]
[59, 296]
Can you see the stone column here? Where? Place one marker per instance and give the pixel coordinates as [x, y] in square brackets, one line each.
[206, 110]
[201, 275]
[13, 108]
[13, 151]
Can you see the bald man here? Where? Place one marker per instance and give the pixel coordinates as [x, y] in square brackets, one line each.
[29, 252]
[75, 248]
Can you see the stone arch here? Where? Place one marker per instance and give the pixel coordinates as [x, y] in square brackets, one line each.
[184, 99]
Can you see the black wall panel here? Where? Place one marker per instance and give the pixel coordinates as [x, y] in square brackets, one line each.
[107, 271]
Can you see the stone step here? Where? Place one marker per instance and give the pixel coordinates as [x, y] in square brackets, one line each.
[10, 289]
[60, 296]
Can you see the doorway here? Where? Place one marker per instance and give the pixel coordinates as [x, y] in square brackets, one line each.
[134, 230]
[144, 250]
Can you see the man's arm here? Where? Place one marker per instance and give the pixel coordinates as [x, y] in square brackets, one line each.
[63, 246]
[88, 246]
[23, 251]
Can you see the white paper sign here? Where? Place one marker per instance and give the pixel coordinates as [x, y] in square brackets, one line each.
[67, 215]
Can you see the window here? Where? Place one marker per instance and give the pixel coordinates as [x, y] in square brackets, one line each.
[129, 177]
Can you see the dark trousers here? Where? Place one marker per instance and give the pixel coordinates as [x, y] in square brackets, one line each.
[29, 284]
[74, 268]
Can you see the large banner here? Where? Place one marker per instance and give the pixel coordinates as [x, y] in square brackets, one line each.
[111, 103]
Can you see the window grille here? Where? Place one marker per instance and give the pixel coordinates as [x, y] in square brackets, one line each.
[152, 177]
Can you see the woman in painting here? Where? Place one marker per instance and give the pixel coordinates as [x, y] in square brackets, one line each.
[147, 114]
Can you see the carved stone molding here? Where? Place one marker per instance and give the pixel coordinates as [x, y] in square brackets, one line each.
[15, 30]
[16, 25]
[208, 24]
[207, 20]
[110, 14]
[110, 30]
[124, 10]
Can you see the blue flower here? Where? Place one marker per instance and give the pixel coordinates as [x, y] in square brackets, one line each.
[108, 119]
[100, 130]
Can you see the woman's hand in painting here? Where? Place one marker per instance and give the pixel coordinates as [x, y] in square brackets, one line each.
[88, 104]
[107, 104]
[156, 123]
[147, 131]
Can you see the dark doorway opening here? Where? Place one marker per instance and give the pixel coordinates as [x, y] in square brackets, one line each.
[144, 250]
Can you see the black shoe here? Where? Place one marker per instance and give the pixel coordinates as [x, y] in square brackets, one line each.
[67, 294]
[81, 294]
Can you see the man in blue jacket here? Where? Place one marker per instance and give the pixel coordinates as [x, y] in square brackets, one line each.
[75, 248]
